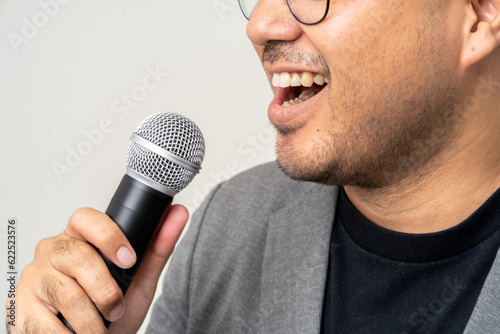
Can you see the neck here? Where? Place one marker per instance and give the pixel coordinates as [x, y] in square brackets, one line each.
[446, 192]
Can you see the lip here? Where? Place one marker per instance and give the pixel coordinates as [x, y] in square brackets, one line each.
[292, 116]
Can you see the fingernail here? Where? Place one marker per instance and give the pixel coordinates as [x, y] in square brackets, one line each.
[125, 257]
[117, 313]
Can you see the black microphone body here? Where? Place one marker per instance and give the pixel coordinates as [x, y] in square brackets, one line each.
[139, 211]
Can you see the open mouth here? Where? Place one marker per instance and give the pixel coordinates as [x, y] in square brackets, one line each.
[299, 87]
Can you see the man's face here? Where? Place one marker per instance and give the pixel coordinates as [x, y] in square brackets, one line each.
[386, 110]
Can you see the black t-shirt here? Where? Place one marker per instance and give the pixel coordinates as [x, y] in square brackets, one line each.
[381, 281]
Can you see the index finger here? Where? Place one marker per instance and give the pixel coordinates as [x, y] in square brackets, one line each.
[96, 227]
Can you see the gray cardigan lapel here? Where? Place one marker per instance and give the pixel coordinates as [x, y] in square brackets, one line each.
[296, 261]
[486, 315]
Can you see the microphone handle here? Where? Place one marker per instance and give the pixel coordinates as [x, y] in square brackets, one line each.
[139, 211]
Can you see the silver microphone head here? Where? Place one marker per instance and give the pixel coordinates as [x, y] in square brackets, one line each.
[166, 152]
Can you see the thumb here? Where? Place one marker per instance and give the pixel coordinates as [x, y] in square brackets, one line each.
[143, 287]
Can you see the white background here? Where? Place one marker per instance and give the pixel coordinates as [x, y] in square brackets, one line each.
[65, 67]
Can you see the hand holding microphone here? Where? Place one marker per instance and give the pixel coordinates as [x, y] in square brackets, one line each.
[70, 276]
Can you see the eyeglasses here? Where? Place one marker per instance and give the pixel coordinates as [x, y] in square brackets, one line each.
[305, 11]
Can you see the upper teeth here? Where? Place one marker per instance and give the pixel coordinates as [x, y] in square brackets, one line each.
[307, 79]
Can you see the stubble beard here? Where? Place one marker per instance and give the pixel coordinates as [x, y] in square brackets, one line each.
[376, 153]
[392, 140]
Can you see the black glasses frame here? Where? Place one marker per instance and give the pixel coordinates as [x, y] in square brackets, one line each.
[294, 15]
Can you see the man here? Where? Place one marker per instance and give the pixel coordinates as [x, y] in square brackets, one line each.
[403, 114]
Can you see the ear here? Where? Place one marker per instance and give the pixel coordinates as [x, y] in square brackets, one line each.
[482, 31]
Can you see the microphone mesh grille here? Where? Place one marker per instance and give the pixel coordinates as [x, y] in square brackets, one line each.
[174, 133]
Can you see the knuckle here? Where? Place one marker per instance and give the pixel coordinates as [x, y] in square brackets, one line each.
[29, 271]
[57, 244]
[108, 236]
[79, 216]
[43, 245]
[30, 276]
[109, 297]
[62, 245]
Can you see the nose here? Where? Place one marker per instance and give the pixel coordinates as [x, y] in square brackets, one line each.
[271, 20]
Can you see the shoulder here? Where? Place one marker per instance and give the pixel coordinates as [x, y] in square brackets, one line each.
[238, 210]
[265, 185]
[247, 199]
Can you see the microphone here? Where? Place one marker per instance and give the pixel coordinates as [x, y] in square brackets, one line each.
[164, 155]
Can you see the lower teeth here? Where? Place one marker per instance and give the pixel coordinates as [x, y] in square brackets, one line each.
[304, 96]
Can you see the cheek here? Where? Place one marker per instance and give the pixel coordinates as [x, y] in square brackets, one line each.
[364, 36]
[357, 25]
[386, 58]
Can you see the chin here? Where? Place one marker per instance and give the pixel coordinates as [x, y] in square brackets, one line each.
[306, 173]
[336, 172]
